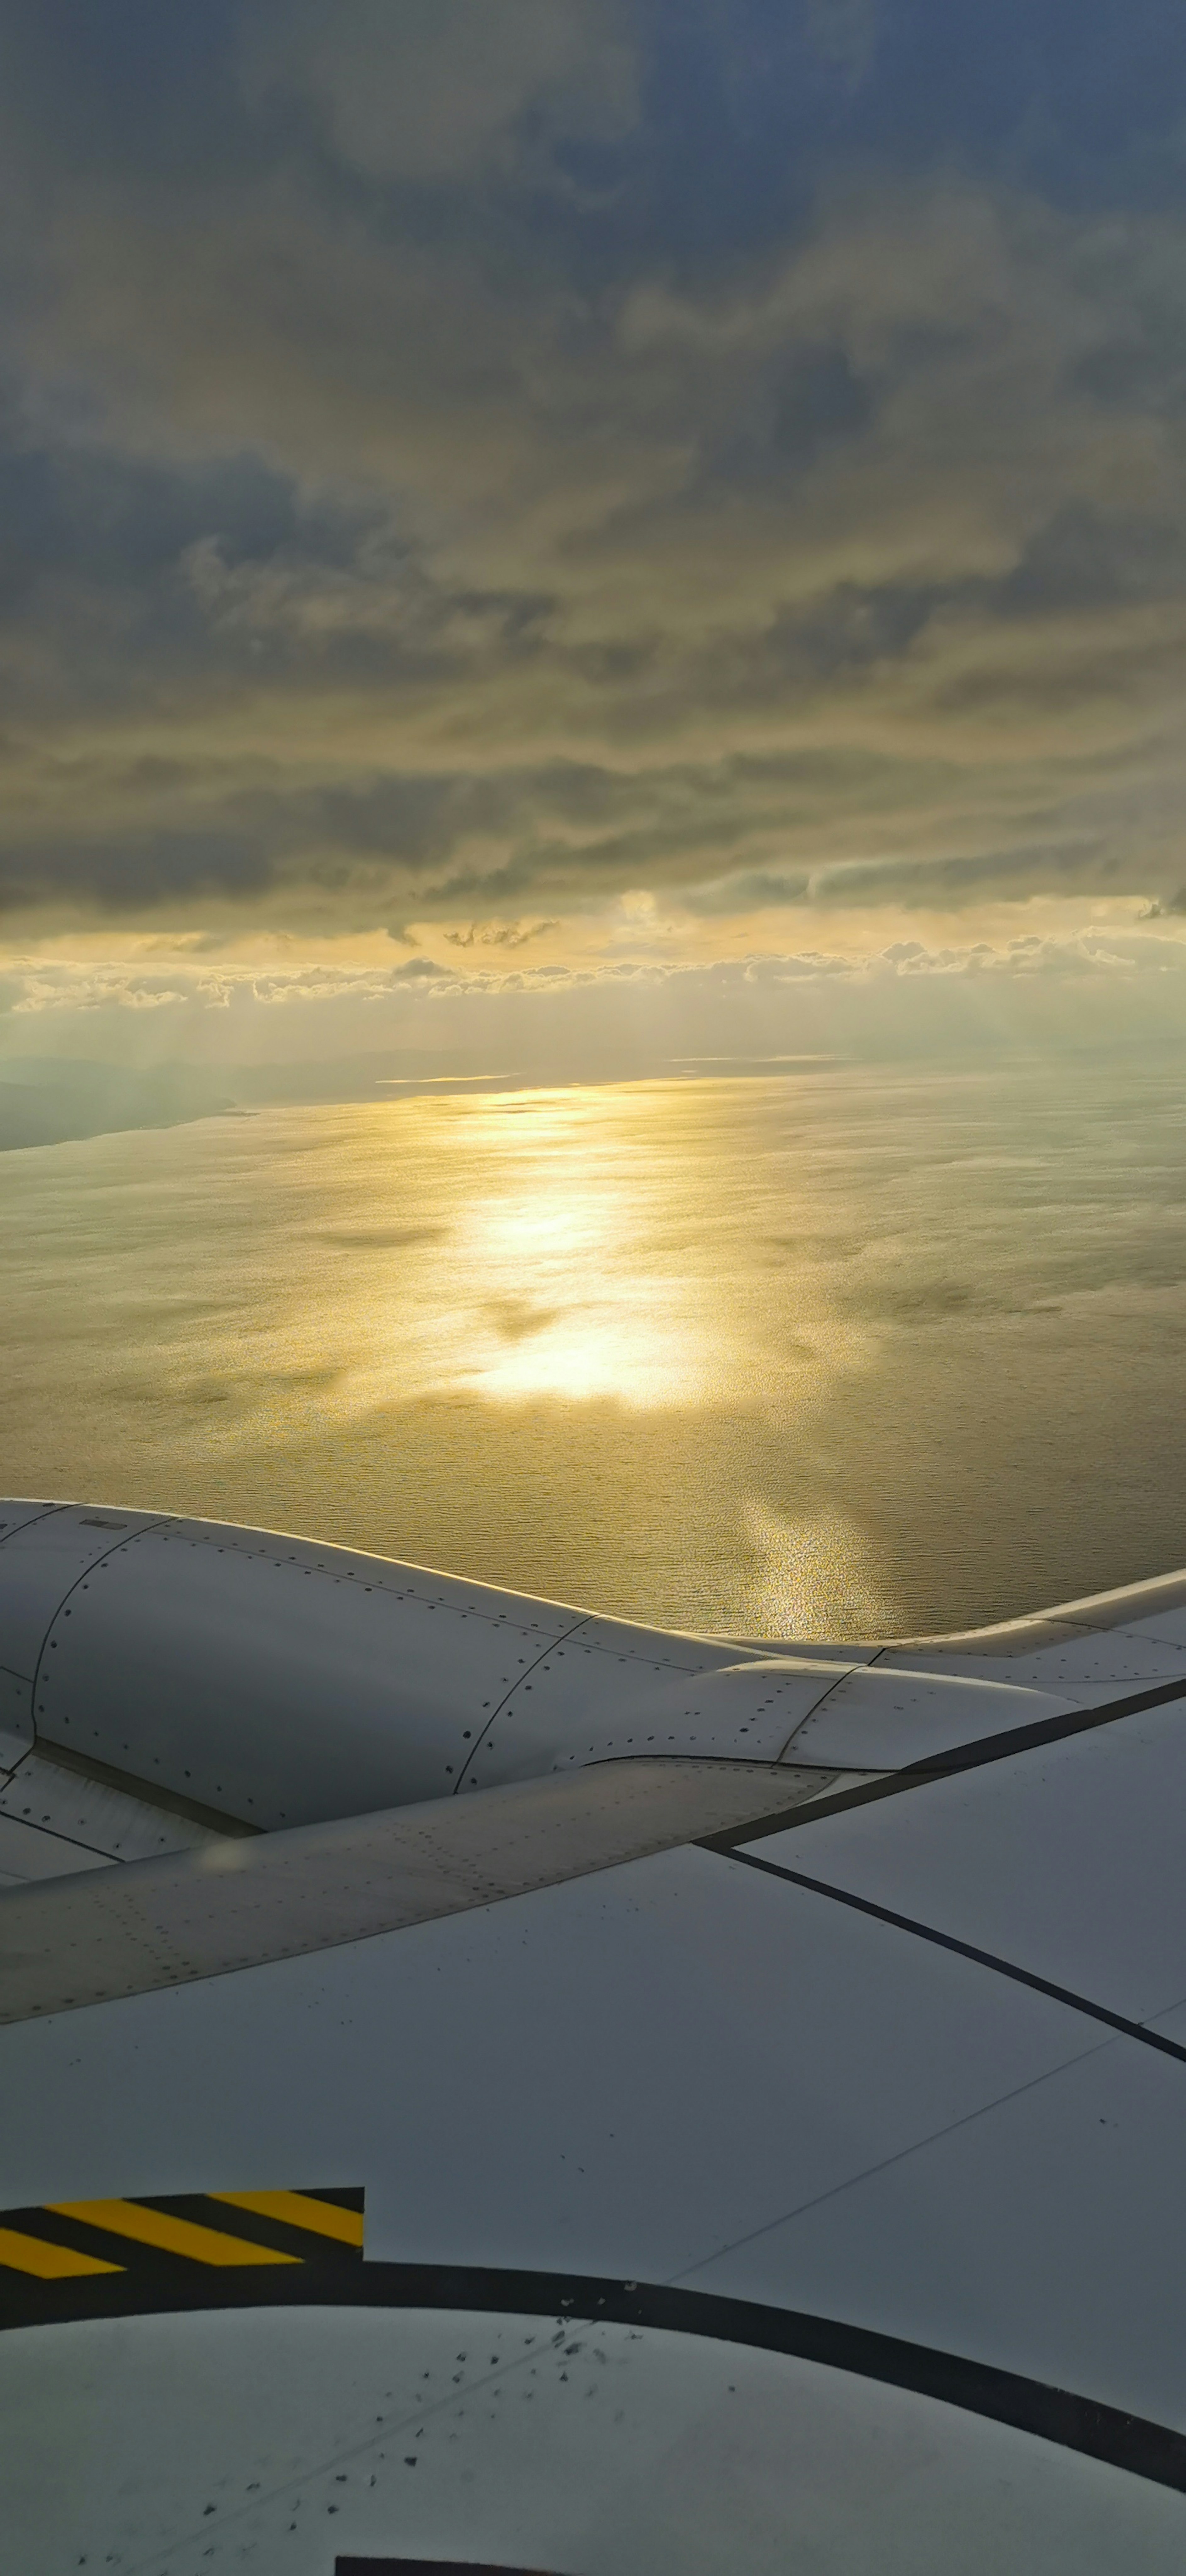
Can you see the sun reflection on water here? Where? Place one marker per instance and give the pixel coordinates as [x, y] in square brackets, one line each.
[583, 1260]
[814, 1576]
[830, 1354]
[553, 1338]
[573, 1303]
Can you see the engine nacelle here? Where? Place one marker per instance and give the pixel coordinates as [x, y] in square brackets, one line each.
[270, 1682]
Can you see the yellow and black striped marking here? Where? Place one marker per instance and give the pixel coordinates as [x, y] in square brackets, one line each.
[99, 2257]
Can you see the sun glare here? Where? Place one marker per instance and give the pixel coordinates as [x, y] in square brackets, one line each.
[569, 1247]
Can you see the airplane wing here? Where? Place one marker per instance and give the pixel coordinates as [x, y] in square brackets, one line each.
[490, 2087]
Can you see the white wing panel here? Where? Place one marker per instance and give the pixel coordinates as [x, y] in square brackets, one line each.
[620, 2076]
[1046, 2226]
[272, 1896]
[880, 1718]
[642, 2075]
[1085, 1666]
[1066, 1861]
[96, 1815]
[29, 1852]
[1166, 1628]
[507, 2439]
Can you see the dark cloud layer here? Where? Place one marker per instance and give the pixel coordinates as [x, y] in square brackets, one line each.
[464, 461]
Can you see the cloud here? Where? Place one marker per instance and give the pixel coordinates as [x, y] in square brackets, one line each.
[845, 32]
[440, 89]
[754, 890]
[460, 463]
[499, 934]
[53, 982]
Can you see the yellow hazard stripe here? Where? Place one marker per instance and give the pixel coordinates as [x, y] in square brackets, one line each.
[169, 2235]
[299, 2209]
[22, 2253]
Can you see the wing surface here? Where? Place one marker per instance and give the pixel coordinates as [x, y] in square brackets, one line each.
[101, 1933]
[759, 2156]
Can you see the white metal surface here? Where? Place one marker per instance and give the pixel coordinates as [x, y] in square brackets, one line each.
[1067, 1861]
[1086, 1666]
[18, 1515]
[92, 1816]
[280, 1686]
[629, 2076]
[593, 1703]
[279, 2442]
[282, 1682]
[884, 1718]
[272, 1896]
[678, 2070]
[1048, 2226]
[29, 1852]
[44, 1550]
[16, 1719]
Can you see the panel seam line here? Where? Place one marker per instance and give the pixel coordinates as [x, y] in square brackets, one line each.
[1121, 2022]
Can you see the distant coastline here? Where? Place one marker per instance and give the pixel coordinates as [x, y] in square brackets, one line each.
[53, 1101]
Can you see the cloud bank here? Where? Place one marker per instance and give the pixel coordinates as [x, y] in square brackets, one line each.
[217, 1030]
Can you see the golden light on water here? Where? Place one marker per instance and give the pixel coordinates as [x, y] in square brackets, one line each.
[739, 1355]
[591, 1257]
[553, 1337]
[804, 1567]
[578, 1298]
[594, 1251]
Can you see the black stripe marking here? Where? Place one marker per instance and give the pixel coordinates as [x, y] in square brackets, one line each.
[1060, 2415]
[948, 1766]
[965, 1950]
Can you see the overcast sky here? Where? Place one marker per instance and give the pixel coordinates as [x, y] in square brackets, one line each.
[506, 500]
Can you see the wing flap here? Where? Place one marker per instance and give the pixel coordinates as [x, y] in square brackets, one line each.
[237, 1904]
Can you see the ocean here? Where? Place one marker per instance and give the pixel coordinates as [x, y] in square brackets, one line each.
[844, 1352]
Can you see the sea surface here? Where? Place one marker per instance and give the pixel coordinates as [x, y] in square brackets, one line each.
[844, 1352]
